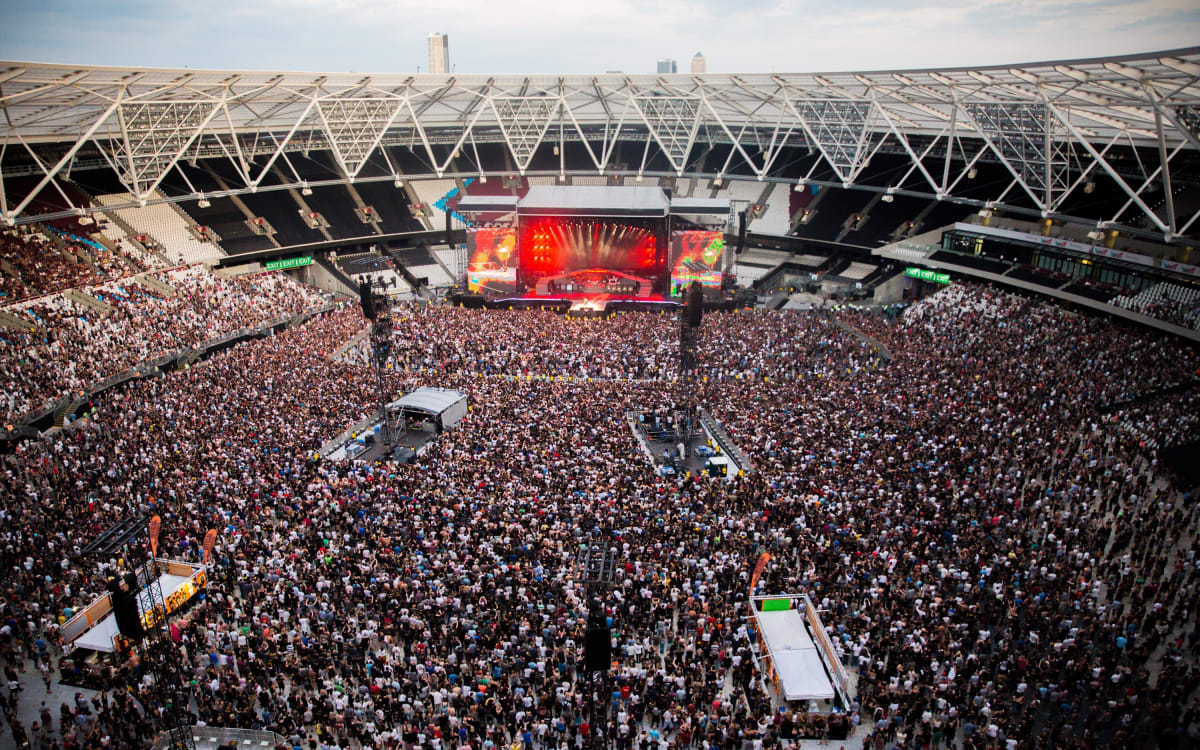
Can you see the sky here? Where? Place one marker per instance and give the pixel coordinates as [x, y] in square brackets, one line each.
[570, 36]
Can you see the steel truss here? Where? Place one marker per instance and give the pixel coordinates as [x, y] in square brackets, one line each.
[1055, 126]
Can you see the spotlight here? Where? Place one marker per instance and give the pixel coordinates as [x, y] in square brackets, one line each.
[1089, 186]
[203, 202]
[305, 190]
[972, 173]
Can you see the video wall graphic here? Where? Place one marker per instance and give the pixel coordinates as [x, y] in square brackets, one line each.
[697, 254]
[551, 246]
[493, 264]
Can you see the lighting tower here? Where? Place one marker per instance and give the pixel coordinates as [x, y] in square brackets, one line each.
[371, 296]
[160, 655]
[689, 331]
[597, 562]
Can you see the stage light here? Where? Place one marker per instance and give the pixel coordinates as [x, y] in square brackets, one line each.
[1089, 186]
[482, 178]
[887, 198]
[203, 202]
[562, 178]
[399, 183]
[718, 180]
[972, 173]
[305, 190]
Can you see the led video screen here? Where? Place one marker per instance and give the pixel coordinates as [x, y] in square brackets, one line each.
[553, 246]
[491, 251]
[697, 256]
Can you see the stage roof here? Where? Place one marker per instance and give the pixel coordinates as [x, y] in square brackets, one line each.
[801, 673]
[700, 206]
[429, 400]
[593, 200]
[487, 203]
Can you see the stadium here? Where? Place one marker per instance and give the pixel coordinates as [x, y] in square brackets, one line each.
[629, 411]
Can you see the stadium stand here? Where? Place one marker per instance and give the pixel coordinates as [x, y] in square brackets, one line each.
[431, 195]
[75, 346]
[857, 271]
[165, 224]
[1170, 302]
[776, 218]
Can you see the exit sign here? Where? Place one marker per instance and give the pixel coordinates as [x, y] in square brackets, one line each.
[927, 275]
[286, 263]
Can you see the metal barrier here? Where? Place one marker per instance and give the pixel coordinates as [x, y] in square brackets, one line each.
[208, 738]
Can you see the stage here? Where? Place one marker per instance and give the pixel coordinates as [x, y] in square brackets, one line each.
[800, 659]
[421, 416]
[702, 454]
[615, 243]
[95, 627]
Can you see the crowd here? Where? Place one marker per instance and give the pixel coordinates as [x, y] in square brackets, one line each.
[33, 265]
[75, 345]
[1000, 564]
[62, 255]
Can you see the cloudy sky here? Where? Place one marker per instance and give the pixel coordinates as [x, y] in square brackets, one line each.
[570, 36]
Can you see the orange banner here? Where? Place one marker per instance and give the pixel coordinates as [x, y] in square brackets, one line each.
[210, 539]
[155, 527]
[759, 567]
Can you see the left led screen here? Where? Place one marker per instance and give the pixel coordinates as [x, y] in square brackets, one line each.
[493, 259]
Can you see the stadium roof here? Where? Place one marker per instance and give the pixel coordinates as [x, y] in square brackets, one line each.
[1053, 125]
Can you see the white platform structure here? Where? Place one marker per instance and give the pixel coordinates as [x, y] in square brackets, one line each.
[801, 661]
[443, 404]
[95, 627]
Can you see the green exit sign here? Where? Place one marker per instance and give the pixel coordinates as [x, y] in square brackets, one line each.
[286, 263]
[927, 275]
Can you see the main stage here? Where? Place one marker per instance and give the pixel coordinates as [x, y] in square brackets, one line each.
[595, 244]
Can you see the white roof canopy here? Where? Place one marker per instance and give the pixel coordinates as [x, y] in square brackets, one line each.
[1053, 125]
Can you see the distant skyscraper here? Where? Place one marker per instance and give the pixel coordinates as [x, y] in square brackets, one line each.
[439, 53]
[667, 65]
[698, 63]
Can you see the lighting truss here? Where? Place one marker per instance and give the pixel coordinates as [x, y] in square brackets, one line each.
[1054, 125]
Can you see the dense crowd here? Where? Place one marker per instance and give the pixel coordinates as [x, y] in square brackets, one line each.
[999, 562]
[33, 265]
[75, 345]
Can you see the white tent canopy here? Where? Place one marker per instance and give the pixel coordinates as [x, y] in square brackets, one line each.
[447, 405]
[794, 655]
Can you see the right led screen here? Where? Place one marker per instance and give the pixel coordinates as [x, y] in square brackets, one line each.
[697, 254]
